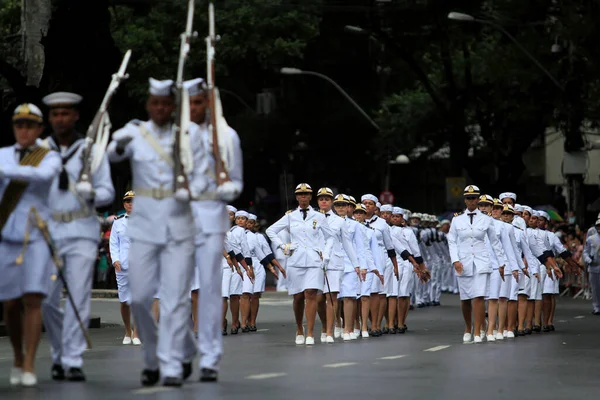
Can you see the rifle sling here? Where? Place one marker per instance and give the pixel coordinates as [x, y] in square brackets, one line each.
[15, 189]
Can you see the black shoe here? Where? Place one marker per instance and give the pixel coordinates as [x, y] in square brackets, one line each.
[57, 372]
[385, 331]
[520, 333]
[208, 375]
[595, 312]
[224, 332]
[437, 304]
[393, 331]
[545, 329]
[536, 328]
[405, 327]
[234, 331]
[173, 381]
[401, 330]
[187, 370]
[75, 375]
[195, 335]
[150, 377]
[420, 305]
[245, 329]
[411, 307]
[527, 331]
[253, 328]
[551, 327]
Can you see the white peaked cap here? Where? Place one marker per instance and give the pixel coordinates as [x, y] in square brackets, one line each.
[28, 111]
[195, 86]
[518, 208]
[231, 209]
[160, 88]
[386, 208]
[242, 213]
[62, 99]
[598, 222]
[444, 222]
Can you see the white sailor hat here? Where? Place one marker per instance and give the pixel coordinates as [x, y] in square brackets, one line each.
[471, 190]
[160, 88]
[535, 213]
[416, 215]
[325, 191]
[509, 195]
[303, 188]
[528, 209]
[518, 208]
[386, 208]
[369, 197]
[252, 217]
[242, 213]
[444, 222]
[378, 205]
[231, 209]
[62, 100]
[195, 86]
[543, 214]
[397, 211]
[28, 112]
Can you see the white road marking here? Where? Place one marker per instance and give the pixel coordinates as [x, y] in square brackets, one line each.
[437, 348]
[266, 376]
[261, 330]
[580, 317]
[391, 357]
[151, 390]
[339, 365]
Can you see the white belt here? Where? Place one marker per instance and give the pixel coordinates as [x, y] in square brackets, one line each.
[163, 193]
[70, 216]
[155, 193]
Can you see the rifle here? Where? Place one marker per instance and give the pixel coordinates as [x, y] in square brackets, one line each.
[214, 100]
[99, 130]
[182, 157]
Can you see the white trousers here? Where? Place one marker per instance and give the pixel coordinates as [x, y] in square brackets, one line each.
[168, 267]
[210, 301]
[436, 281]
[66, 338]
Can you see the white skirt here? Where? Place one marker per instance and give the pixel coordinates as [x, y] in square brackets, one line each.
[390, 282]
[525, 285]
[495, 284]
[260, 277]
[335, 281]
[476, 285]
[365, 287]
[405, 284]
[235, 285]
[549, 284]
[196, 279]
[303, 278]
[33, 276]
[506, 286]
[535, 291]
[350, 285]
[226, 282]
[123, 287]
[515, 286]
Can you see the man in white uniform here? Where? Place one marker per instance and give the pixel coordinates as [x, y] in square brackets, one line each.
[119, 254]
[75, 229]
[162, 249]
[591, 257]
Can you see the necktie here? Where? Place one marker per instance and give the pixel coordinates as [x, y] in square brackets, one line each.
[23, 152]
[326, 215]
[471, 216]
[304, 211]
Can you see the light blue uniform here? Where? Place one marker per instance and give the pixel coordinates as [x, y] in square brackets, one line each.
[119, 251]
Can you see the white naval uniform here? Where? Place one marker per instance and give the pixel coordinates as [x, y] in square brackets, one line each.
[257, 254]
[524, 286]
[591, 257]
[500, 288]
[350, 281]
[386, 249]
[538, 249]
[466, 241]
[406, 285]
[33, 276]
[119, 251]
[75, 229]
[212, 222]
[393, 286]
[554, 244]
[162, 249]
[304, 266]
[262, 242]
[338, 246]
[239, 243]
[285, 238]
[372, 258]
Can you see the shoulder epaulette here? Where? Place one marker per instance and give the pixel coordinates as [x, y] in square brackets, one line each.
[456, 214]
[322, 211]
[288, 211]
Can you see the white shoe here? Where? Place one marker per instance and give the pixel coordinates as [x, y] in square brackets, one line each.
[499, 336]
[136, 341]
[329, 339]
[346, 337]
[467, 337]
[309, 341]
[300, 339]
[357, 332]
[477, 339]
[353, 336]
[126, 340]
[323, 338]
[28, 379]
[337, 332]
[482, 334]
[510, 335]
[494, 332]
[15, 375]
[505, 333]
[365, 334]
[490, 338]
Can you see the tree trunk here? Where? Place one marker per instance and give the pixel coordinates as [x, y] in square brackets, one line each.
[36, 17]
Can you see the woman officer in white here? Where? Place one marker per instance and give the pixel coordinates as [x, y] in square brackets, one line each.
[471, 260]
[26, 173]
[304, 266]
[119, 254]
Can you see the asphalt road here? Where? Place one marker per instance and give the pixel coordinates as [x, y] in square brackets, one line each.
[429, 362]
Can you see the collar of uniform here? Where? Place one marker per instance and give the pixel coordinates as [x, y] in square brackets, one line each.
[19, 147]
[74, 139]
[476, 211]
[309, 208]
[372, 219]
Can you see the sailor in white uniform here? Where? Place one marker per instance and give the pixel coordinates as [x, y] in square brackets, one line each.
[210, 216]
[307, 228]
[162, 249]
[591, 257]
[26, 173]
[75, 229]
[119, 254]
[230, 267]
[470, 258]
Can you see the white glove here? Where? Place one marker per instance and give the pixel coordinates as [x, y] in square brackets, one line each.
[123, 138]
[227, 191]
[85, 190]
[182, 195]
